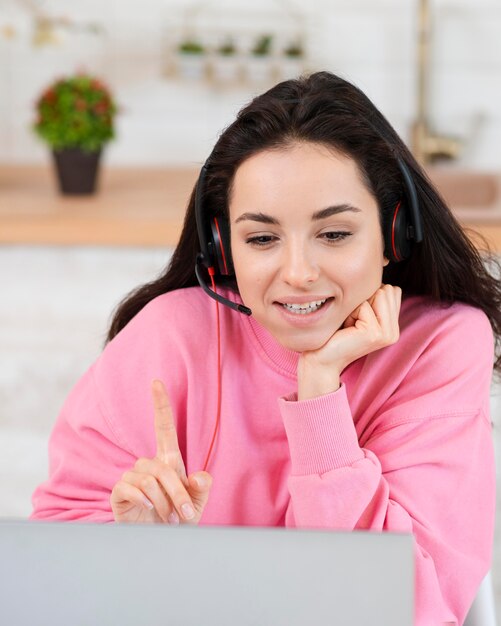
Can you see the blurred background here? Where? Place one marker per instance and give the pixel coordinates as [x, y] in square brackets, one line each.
[163, 78]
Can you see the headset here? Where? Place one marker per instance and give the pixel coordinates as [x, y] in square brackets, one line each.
[401, 231]
[214, 239]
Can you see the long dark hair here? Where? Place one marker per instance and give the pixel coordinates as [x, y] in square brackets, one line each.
[325, 109]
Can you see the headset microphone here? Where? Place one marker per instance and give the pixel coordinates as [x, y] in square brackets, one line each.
[215, 256]
[233, 305]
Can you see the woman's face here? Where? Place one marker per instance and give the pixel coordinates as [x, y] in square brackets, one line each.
[304, 228]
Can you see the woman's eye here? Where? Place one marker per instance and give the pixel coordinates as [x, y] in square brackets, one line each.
[336, 235]
[262, 240]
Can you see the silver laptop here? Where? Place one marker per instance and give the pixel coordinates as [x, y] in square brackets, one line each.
[74, 574]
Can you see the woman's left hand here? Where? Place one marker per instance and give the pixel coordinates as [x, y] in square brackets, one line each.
[371, 326]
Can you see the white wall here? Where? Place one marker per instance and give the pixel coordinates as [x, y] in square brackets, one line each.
[371, 42]
[56, 305]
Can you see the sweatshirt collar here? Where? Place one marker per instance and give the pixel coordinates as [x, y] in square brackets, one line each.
[271, 350]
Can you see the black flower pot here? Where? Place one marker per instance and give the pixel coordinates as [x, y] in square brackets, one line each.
[77, 170]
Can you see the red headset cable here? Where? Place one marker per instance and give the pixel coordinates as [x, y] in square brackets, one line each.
[216, 428]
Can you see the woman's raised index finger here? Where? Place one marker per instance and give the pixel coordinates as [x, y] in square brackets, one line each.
[165, 429]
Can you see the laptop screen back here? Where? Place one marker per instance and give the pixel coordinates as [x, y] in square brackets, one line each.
[77, 574]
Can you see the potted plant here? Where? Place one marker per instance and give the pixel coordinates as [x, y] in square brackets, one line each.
[259, 64]
[226, 67]
[292, 61]
[75, 117]
[262, 47]
[191, 58]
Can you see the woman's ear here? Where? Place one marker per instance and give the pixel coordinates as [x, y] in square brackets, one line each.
[386, 261]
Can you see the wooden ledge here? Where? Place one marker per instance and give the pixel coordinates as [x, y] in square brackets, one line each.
[133, 207]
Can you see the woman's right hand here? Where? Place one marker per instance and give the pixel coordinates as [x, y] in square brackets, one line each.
[158, 490]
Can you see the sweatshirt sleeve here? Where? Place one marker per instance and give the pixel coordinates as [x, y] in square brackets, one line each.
[87, 457]
[426, 468]
[106, 422]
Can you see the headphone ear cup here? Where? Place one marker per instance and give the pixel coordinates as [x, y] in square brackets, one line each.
[397, 244]
[222, 245]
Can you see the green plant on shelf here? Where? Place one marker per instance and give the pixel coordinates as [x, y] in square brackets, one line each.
[262, 47]
[294, 50]
[227, 48]
[191, 46]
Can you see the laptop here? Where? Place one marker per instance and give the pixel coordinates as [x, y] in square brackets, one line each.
[76, 574]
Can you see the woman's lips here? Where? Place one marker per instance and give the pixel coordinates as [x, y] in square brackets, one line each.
[302, 299]
[302, 319]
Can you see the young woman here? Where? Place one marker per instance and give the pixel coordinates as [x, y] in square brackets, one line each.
[355, 395]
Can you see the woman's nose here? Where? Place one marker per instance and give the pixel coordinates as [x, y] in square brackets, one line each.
[298, 268]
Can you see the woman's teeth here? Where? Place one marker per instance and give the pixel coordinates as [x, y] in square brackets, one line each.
[304, 309]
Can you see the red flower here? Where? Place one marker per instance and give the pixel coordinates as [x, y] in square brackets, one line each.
[101, 107]
[98, 85]
[49, 96]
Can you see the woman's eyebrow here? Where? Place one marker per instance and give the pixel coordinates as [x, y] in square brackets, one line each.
[318, 215]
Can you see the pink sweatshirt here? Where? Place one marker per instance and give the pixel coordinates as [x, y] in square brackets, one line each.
[403, 445]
